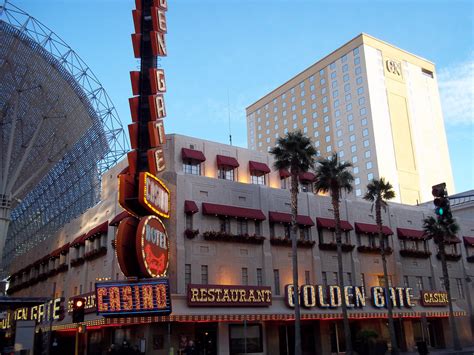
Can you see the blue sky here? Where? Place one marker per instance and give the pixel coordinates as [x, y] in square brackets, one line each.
[243, 49]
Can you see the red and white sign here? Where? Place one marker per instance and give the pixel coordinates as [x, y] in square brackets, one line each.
[152, 247]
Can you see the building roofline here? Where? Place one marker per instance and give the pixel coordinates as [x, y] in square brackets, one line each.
[362, 36]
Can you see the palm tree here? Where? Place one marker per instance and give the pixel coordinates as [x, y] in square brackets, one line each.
[378, 192]
[441, 232]
[295, 153]
[333, 176]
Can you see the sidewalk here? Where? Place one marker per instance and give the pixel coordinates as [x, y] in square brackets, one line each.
[465, 351]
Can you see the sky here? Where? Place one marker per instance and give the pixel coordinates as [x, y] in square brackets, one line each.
[223, 55]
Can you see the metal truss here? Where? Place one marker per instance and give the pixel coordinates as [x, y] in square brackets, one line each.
[59, 131]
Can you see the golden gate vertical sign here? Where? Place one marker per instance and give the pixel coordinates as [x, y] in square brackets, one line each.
[142, 243]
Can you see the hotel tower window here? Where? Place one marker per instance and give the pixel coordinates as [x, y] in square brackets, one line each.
[192, 160]
[226, 166]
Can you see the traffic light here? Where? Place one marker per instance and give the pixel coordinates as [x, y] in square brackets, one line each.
[78, 305]
[441, 201]
[81, 328]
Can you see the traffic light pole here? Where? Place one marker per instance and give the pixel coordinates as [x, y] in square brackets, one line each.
[76, 346]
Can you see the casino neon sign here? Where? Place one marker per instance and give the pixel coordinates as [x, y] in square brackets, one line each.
[150, 296]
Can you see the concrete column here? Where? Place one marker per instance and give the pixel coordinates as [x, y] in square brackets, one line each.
[409, 337]
[222, 338]
[271, 339]
[325, 337]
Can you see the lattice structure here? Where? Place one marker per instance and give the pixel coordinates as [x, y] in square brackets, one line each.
[58, 133]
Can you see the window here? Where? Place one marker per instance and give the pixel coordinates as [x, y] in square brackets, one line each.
[332, 66]
[430, 282]
[356, 60]
[359, 80]
[355, 51]
[348, 97]
[350, 117]
[287, 231]
[406, 282]
[419, 283]
[460, 288]
[259, 277]
[187, 275]
[366, 143]
[189, 221]
[345, 68]
[363, 122]
[204, 275]
[362, 101]
[307, 279]
[356, 170]
[357, 181]
[344, 58]
[311, 78]
[339, 133]
[370, 176]
[192, 167]
[345, 78]
[352, 138]
[245, 339]
[358, 192]
[347, 87]
[257, 179]
[368, 165]
[335, 278]
[363, 111]
[305, 233]
[353, 149]
[322, 81]
[276, 280]
[224, 225]
[258, 228]
[354, 160]
[226, 173]
[242, 227]
[357, 71]
[348, 107]
[367, 154]
[336, 103]
[333, 75]
[360, 90]
[338, 123]
[302, 93]
[245, 276]
[328, 149]
[325, 278]
[334, 84]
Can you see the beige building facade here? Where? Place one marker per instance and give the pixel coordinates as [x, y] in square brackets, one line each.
[378, 106]
[229, 229]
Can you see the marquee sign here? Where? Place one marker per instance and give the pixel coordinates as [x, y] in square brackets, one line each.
[229, 296]
[434, 298]
[154, 195]
[52, 310]
[152, 247]
[148, 296]
[142, 244]
[354, 296]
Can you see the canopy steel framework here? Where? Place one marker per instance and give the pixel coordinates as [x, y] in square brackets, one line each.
[58, 133]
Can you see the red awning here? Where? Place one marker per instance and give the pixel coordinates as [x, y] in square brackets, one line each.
[404, 233]
[232, 211]
[284, 173]
[281, 217]
[99, 229]
[118, 218]
[78, 241]
[65, 248]
[330, 223]
[223, 160]
[452, 240]
[255, 166]
[307, 177]
[55, 253]
[468, 241]
[190, 207]
[192, 154]
[371, 229]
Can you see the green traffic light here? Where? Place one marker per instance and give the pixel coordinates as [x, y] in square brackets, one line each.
[440, 211]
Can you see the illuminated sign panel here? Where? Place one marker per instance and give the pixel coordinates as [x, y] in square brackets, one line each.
[354, 296]
[226, 296]
[152, 247]
[434, 298]
[53, 310]
[154, 195]
[148, 296]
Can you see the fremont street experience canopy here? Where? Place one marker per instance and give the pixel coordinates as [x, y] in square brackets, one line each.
[58, 133]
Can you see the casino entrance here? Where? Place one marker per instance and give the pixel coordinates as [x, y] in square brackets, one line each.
[286, 336]
[206, 338]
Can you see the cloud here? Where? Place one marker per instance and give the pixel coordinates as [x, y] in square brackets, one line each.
[456, 84]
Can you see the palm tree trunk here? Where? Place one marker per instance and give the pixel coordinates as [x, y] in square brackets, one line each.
[447, 286]
[388, 301]
[340, 272]
[294, 256]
